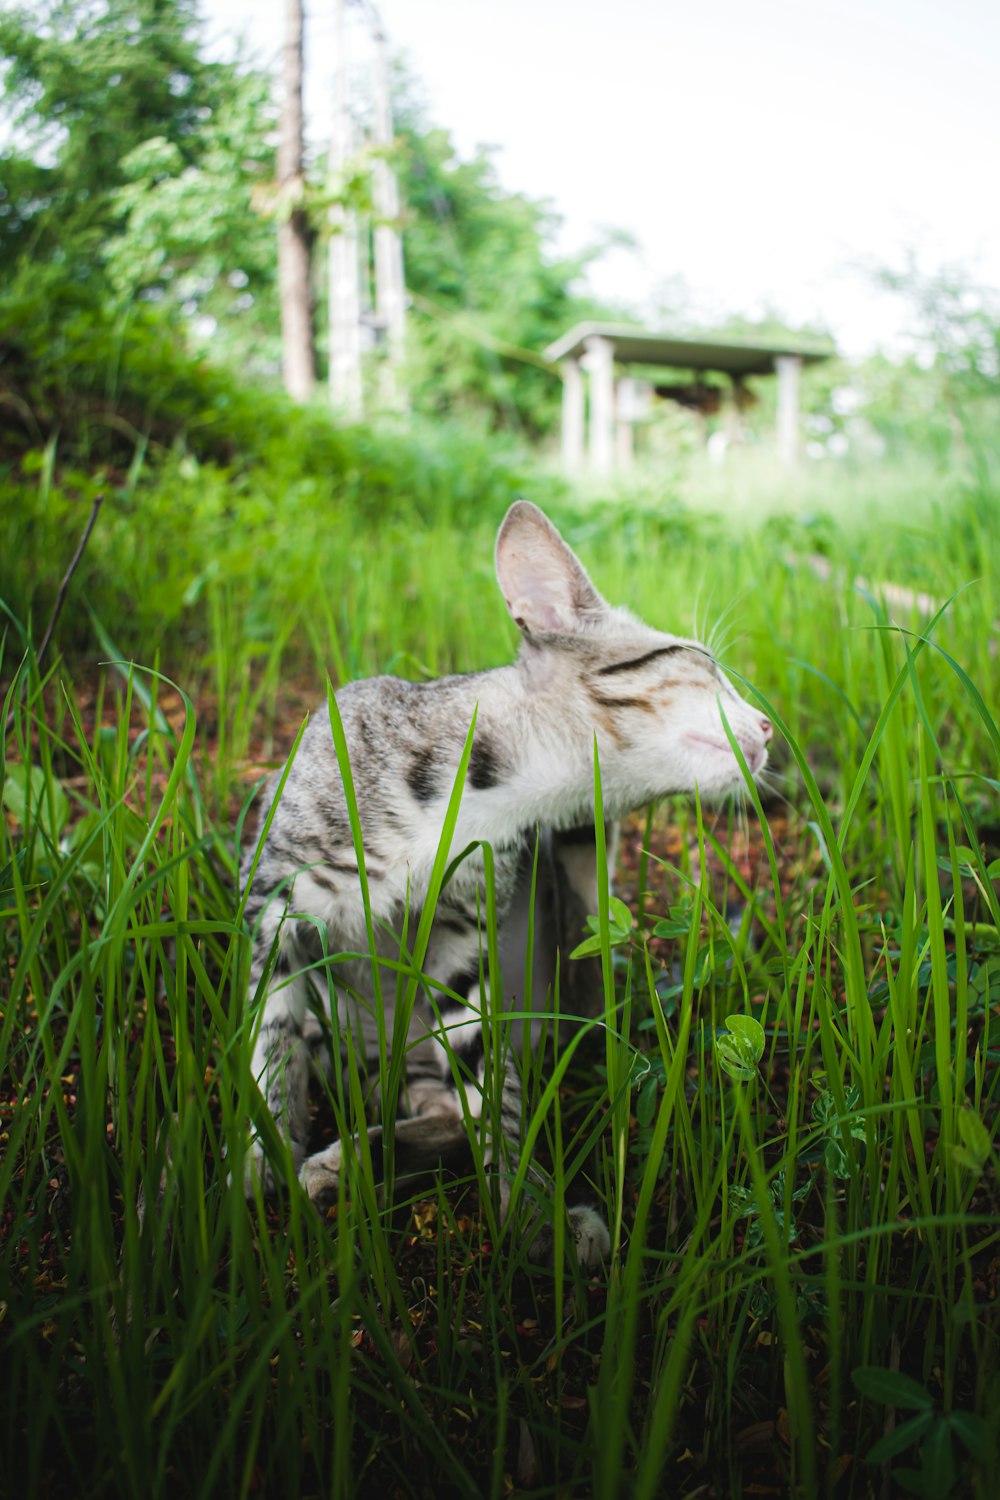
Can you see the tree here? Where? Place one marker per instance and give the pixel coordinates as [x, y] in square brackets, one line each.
[298, 365]
[141, 169]
[85, 84]
[199, 238]
[487, 293]
[134, 163]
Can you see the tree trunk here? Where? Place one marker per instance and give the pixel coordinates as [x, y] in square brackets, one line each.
[298, 363]
[390, 285]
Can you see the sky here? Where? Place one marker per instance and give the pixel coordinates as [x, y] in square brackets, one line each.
[761, 156]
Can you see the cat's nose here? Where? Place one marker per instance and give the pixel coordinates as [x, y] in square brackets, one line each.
[765, 729]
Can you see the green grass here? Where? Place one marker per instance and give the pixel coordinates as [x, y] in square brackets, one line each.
[803, 1201]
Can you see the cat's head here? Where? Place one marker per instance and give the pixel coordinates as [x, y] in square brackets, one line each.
[655, 700]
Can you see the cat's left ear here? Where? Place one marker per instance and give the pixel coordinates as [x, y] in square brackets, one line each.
[543, 582]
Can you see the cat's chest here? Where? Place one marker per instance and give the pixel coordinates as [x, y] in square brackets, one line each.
[471, 873]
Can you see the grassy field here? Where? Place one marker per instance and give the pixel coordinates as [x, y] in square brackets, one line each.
[788, 1113]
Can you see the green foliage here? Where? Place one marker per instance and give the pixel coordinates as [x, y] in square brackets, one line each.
[825, 1114]
[945, 396]
[824, 1194]
[144, 173]
[619, 930]
[36, 801]
[975, 1147]
[191, 234]
[775, 1235]
[956, 324]
[932, 1432]
[133, 164]
[105, 379]
[488, 296]
[86, 85]
[741, 1047]
[213, 486]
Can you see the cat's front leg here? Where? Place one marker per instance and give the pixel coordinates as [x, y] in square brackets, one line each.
[422, 1143]
[281, 1063]
[458, 1047]
[588, 1231]
[576, 898]
[319, 1174]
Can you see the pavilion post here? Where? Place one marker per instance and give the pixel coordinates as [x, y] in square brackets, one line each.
[345, 384]
[789, 369]
[600, 366]
[573, 406]
[603, 399]
[626, 409]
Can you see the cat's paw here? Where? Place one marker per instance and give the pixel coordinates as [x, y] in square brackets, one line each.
[590, 1239]
[319, 1175]
[257, 1169]
[590, 1236]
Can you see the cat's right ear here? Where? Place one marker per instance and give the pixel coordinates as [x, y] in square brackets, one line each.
[543, 582]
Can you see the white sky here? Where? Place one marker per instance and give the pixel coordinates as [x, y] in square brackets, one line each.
[762, 150]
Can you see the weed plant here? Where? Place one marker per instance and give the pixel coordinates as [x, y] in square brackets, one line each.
[788, 1110]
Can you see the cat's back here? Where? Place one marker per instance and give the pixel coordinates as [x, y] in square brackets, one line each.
[403, 742]
[389, 723]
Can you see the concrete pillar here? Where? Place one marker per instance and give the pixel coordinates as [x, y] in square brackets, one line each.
[345, 315]
[344, 268]
[573, 411]
[626, 411]
[600, 367]
[390, 285]
[789, 370]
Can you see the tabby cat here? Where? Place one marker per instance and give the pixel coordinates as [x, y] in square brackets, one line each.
[584, 669]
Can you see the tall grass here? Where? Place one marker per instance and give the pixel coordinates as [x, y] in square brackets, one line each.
[788, 1111]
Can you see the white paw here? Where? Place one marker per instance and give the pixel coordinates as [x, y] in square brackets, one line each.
[320, 1174]
[590, 1234]
[256, 1168]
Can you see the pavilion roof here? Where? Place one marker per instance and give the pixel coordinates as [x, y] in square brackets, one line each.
[734, 356]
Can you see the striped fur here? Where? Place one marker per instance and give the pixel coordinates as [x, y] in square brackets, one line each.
[585, 669]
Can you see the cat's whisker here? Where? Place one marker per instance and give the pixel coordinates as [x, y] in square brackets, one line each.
[697, 616]
[771, 783]
[717, 641]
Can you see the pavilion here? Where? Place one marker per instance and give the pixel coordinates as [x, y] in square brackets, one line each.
[607, 352]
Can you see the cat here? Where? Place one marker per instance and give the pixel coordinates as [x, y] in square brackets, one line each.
[585, 669]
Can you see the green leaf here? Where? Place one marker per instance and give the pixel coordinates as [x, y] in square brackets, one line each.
[619, 930]
[741, 1200]
[900, 1438]
[915, 1482]
[32, 797]
[586, 948]
[731, 1060]
[751, 1031]
[835, 1159]
[645, 1107]
[7, 873]
[670, 927]
[974, 1151]
[973, 1432]
[619, 916]
[824, 1107]
[891, 1388]
[939, 1458]
[741, 1050]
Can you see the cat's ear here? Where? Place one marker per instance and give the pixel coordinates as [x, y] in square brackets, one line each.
[542, 581]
